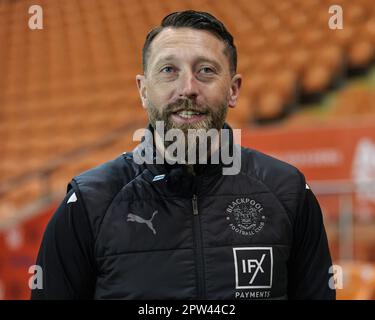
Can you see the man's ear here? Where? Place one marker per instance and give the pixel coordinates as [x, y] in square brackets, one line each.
[142, 88]
[235, 90]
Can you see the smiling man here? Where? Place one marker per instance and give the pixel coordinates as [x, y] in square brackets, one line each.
[189, 76]
[129, 230]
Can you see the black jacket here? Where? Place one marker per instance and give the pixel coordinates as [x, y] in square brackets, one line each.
[129, 231]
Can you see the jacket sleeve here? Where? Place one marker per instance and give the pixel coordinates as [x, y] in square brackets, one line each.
[66, 253]
[310, 259]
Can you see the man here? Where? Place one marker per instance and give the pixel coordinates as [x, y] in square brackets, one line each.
[185, 230]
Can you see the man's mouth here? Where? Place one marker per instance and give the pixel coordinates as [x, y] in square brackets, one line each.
[188, 116]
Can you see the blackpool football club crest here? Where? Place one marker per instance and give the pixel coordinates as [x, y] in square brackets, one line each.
[245, 216]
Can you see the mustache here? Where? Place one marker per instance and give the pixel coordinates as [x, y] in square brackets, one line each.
[185, 104]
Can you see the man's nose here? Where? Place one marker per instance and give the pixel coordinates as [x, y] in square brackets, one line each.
[188, 86]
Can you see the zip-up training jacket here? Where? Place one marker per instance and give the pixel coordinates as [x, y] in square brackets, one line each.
[151, 231]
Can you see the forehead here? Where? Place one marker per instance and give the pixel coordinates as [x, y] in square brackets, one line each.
[187, 43]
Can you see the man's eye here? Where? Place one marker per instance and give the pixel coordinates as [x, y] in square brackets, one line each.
[167, 69]
[206, 70]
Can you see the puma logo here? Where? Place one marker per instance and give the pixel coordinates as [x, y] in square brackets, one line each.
[148, 222]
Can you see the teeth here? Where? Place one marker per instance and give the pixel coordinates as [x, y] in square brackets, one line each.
[188, 114]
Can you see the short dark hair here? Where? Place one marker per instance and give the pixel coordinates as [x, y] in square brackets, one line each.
[196, 20]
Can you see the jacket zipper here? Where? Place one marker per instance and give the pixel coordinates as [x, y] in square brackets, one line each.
[198, 250]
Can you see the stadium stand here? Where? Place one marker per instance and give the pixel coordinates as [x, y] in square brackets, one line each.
[68, 98]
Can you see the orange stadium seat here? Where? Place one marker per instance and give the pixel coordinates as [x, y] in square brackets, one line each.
[72, 85]
[358, 281]
[68, 96]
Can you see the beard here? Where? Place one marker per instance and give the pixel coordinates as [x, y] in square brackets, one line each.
[212, 120]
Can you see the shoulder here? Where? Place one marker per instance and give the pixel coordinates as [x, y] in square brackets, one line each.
[284, 180]
[97, 187]
[271, 170]
[109, 176]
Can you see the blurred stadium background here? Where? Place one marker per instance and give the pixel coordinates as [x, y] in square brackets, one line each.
[68, 101]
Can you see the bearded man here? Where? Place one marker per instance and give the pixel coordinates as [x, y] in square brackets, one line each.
[131, 229]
